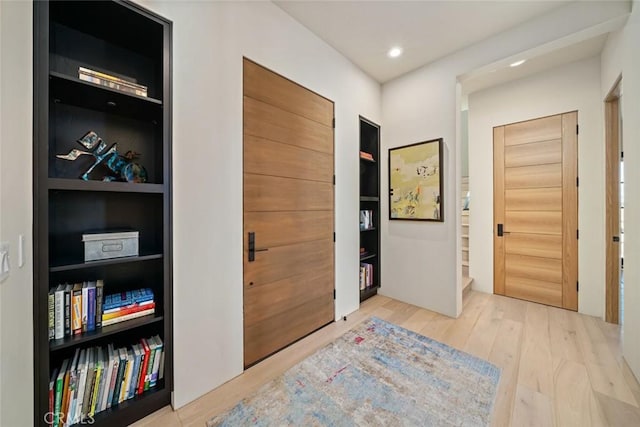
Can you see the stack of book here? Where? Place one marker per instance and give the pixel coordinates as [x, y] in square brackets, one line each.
[113, 82]
[366, 275]
[127, 305]
[81, 307]
[75, 308]
[366, 156]
[98, 378]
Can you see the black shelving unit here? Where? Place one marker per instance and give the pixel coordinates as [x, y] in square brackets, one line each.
[370, 201]
[123, 39]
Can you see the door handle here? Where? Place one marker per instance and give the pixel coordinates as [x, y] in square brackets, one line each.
[616, 239]
[501, 231]
[252, 247]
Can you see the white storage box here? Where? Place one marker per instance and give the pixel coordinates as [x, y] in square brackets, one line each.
[110, 245]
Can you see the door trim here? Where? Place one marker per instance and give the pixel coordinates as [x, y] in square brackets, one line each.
[612, 203]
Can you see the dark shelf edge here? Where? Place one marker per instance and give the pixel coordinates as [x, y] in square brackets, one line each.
[79, 266]
[105, 88]
[75, 340]
[368, 257]
[369, 199]
[368, 292]
[368, 229]
[116, 187]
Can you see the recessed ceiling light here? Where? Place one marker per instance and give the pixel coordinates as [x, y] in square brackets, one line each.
[394, 52]
[517, 63]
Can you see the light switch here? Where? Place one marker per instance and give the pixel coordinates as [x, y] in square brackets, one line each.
[4, 261]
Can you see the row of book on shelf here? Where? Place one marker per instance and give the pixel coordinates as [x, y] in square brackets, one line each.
[113, 82]
[366, 156]
[82, 307]
[98, 378]
[366, 275]
[366, 219]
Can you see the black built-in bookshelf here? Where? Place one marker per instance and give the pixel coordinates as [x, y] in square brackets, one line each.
[122, 39]
[370, 201]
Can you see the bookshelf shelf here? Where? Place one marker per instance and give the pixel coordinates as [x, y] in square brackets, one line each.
[371, 256]
[106, 262]
[70, 90]
[123, 187]
[369, 201]
[87, 337]
[125, 41]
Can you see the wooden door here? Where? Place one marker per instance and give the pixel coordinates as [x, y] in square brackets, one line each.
[536, 210]
[288, 212]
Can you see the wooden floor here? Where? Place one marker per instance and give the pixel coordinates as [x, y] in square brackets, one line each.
[559, 368]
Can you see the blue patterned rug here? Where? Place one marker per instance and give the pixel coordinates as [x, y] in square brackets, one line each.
[376, 374]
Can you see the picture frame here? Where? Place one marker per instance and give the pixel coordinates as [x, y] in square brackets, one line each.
[416, 181]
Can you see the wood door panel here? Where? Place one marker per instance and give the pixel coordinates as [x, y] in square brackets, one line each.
[498, 208]
[535, 153]
[539, 245]
[286, 228]
[286, 261]
[535, 290]
[265, 157]
[269, 193]
[533, 199]
[535, 222]
[280, 92]
[288, 202]
[570, 210]
[544, 129]
[535, 268]
[266, 121]
[270, 299]
[533, 176]
[264, 338]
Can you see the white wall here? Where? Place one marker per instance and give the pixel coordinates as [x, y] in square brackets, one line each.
[571, 87]
[621, 56]
[16, 315]
[209, 41]
[421, 260]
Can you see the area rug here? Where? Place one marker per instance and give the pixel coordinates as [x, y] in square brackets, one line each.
[377, 374]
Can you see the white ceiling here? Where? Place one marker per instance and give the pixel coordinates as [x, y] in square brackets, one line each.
[501, 72]
[364, 31]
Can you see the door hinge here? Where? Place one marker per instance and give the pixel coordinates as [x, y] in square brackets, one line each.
[333, 122]
[334, 236]
[577, 288]
[577, 234]
[622, 155]
[334, 180]
[577, 129]
[334, 294]
[577, 182]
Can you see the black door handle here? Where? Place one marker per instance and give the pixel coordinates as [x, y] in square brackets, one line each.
[252, 247]
[501, 231]
[616, 238]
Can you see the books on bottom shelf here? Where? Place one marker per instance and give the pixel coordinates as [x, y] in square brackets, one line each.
[98, 378]
[366, 275]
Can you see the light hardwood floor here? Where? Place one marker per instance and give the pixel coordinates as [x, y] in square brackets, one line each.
[559, 368]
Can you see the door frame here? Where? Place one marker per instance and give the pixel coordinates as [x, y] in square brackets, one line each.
[612, 202]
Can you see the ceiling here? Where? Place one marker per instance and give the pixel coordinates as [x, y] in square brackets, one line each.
[501, 72]
[364, 31]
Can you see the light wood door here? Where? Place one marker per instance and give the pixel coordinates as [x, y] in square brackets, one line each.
[536, 210]
[288, 212]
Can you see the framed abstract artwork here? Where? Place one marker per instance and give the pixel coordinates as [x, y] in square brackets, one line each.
[415, 181]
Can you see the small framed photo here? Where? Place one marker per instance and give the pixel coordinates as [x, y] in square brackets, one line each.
[415, 181]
